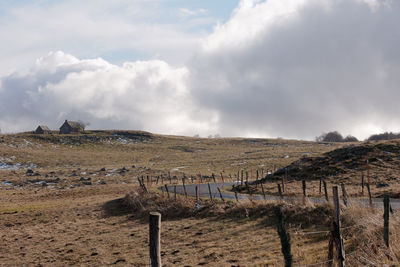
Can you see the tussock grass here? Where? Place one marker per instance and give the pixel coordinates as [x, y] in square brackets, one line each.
[304, 215]
[365, 243]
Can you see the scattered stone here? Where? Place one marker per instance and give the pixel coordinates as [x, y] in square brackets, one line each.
[103, 169]
[29, 171]
[380, 185]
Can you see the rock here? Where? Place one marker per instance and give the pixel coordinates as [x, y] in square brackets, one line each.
[82, 179]
[44, 184]
[103, 182]
[29, 171]
[133, 166]
[103, 169]
[380, 185]
[87, 183]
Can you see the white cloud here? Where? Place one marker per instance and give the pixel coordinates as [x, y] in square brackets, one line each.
[289, 68]
[149, 95]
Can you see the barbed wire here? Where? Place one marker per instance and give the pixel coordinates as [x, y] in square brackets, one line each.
[324, 262]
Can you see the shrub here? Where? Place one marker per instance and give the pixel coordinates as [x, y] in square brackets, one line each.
[334, 136]
[384, 136]
[350, 138]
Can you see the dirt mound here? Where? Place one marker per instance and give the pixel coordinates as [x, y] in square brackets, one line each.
[383, 157]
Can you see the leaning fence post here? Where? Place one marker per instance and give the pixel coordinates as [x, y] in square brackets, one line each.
[209, 190]
[326, 191]
[336, 224]
[166, 189]
[236, 196]
[285, 238]
[155, 240]
[386, 201]
[220, 195]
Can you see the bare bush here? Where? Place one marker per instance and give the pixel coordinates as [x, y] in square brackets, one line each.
[384, 136]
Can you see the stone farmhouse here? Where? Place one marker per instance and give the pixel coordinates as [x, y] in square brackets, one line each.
[42, 129]
[71, 127]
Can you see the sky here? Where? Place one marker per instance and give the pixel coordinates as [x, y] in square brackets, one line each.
[248, 68]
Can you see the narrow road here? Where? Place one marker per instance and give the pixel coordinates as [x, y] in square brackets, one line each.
[204, 193]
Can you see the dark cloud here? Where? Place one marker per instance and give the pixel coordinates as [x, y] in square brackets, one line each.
[330, 65]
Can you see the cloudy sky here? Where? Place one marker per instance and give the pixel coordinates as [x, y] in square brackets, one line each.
[274, 68]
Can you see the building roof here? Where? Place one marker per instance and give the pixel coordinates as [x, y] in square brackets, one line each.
[74, 124]
[44, 128]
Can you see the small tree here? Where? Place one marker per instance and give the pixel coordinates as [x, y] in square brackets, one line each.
[334, 136]
[83, 124]
[350, 138]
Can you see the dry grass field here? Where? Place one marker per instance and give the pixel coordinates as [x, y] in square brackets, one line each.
[70, 211]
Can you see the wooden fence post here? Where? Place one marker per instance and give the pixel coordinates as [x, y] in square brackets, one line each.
[220, 195]
[362, 184]
[370, 196]
[241, 177]
[209, 191]
[248, 188]
[166, 189]
[263, 192]
[280, 191]
[155, 240]
[184, 187]
[326, 191]
[304, 188]
[197, 195]
[175, 192]
[336, 224]
[247, 176]
[285, 238]
[344, 193]
[213, 176]
[283, 184]
[257, 176]
[236, 196]
[386, 202]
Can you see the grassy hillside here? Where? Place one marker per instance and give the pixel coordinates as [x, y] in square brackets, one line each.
[73, 200]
